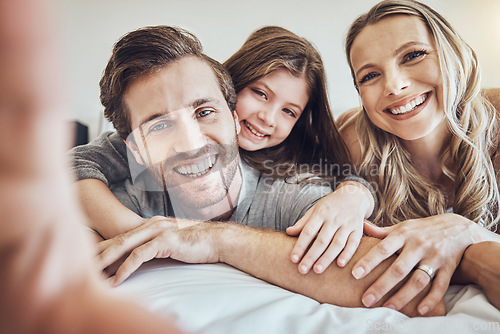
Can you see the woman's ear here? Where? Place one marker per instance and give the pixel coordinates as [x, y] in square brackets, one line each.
[130, 142]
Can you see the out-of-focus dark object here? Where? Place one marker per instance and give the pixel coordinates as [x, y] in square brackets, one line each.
[81, 133]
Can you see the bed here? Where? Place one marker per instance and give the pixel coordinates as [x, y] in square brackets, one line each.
[217, 298]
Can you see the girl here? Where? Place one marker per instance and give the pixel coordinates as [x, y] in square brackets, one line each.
[286, 123]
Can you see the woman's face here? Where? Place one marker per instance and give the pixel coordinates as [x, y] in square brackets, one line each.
[268, 109]
[397, 71]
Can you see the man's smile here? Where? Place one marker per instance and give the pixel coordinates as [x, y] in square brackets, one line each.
[197, 168]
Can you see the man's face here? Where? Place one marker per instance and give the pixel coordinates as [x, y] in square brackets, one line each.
[184, 132]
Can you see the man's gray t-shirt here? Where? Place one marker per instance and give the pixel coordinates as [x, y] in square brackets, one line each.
[264, 202]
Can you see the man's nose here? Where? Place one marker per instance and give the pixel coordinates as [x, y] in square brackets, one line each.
[188, 136]
[396, 81]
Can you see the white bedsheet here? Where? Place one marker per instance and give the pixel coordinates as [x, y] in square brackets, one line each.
[216, 298]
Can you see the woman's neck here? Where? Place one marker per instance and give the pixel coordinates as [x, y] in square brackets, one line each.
[426, 152]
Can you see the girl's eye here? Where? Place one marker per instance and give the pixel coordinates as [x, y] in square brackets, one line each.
[368, 77]
[204, 113]
[413, 55]
[289, 112]
[260, 93]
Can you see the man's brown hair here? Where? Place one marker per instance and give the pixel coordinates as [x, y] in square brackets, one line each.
[142, 52]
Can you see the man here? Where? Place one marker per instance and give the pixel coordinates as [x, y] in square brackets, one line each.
[176, 117]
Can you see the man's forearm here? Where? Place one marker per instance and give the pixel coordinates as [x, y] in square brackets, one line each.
[480, 266]
[265, 254]
[105, 214]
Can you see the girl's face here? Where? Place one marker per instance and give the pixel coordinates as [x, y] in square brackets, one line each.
[397, 71]
[268, 109]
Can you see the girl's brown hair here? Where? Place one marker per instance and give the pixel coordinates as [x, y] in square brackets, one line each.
[314, 140]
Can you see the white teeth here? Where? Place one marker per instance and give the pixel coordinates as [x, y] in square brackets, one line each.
[197, 169]
[409, 106]
[255, 132]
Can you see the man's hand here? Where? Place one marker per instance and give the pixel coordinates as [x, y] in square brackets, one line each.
[160, 237]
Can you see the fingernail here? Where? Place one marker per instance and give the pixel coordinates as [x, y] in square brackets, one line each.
[392, 307]
[319, 268]
[423, 310]
[295, 258]
[368, 300]
[358, 272]
[341, 263]
[303, 270]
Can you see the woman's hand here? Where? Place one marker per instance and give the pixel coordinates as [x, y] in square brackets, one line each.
[336, 224]
[438, 242]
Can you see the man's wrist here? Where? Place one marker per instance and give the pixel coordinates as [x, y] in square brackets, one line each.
[223, 238]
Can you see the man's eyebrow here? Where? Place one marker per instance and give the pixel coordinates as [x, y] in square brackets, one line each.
[152, 117]
[201, 101]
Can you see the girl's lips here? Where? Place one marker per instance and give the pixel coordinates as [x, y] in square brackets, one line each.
[251, 131]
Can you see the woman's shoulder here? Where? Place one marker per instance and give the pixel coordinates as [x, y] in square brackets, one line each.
[493, 95]
[346, 123]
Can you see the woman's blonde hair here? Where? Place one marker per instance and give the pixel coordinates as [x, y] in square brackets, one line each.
[472, 121]
[314, 139]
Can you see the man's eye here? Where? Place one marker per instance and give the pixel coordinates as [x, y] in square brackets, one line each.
[158, 127]
[204, 113]
[368, 77]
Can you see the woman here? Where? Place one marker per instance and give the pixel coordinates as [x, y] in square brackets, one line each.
[286, 125]
[433, 137]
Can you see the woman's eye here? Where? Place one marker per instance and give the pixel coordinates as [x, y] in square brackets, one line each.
[413, 55]
[260, 93]
[368, 77]
[204, 113]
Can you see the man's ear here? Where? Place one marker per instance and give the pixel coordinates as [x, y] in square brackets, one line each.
[135, 151]
[236, 122]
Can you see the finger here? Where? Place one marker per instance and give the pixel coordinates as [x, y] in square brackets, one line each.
[299, 225]
[378, 253]
[374, 230]
[396, 272]
[101, 246]
[417, 282]
[439, 287]
[327, 237]
[333, 250]
[305, 238]
[123, 244]
[350, 248]
[139, 255]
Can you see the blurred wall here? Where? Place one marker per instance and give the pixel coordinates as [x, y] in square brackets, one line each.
[89, 28]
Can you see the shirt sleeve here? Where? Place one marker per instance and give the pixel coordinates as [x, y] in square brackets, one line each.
[294, 198]
[297, 205]
[104, 158]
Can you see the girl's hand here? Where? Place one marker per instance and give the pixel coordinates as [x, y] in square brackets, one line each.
[437, 241]
[336, 224]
